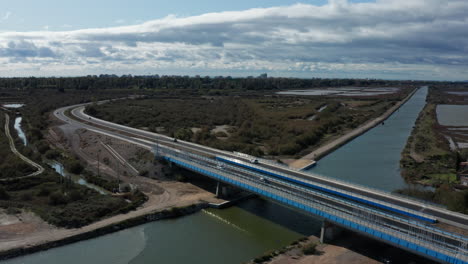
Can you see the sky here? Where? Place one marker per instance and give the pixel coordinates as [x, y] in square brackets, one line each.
[388, 39]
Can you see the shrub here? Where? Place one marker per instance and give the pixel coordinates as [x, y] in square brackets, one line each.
[4, 194]
[125, 187]
[75, 195]
[52, 154]
[13, 211]
[179, 177]
[74, 166]
[44, 191]
[26, 196]
[57, 198]
[42, 146]
[309, 249]
[221, 134]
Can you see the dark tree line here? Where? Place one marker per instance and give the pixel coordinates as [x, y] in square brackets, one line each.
[93, 82]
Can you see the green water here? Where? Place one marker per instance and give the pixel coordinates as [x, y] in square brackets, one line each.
[232, 235]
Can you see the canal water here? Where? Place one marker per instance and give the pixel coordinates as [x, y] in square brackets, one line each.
[240, 233]
[373, 159]
[232, 235]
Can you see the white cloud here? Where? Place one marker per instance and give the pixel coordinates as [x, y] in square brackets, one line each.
[6, 16]
[386, 39]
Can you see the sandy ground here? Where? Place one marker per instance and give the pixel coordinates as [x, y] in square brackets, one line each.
[326, 254]
[26, 229]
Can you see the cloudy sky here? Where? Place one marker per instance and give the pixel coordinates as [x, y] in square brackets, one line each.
[390, 39]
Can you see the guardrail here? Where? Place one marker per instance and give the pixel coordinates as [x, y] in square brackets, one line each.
[204, 161]
[420, 241]
[333, 190]
[337, 180]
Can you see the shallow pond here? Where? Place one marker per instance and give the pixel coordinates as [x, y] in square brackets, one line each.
[13, 105]
[452, 115]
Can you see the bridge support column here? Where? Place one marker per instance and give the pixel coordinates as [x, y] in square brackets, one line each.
[225, 191]
[329, 231]
[218, 189]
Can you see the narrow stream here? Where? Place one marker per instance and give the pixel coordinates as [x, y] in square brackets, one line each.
[20, 131]
[59, 168]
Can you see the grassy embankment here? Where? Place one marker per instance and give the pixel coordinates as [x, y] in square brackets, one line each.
[427, 159]
[257, 125]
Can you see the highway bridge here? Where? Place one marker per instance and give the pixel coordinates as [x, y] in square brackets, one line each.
[402, 222]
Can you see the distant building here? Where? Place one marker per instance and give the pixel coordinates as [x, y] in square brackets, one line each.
[263, 76]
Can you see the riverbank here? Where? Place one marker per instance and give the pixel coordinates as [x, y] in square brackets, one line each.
[58, 237]
[309, 250]
[166, 199]
[349, 247]
[340, 141]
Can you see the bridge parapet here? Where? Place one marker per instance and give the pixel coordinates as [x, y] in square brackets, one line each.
[420, 239]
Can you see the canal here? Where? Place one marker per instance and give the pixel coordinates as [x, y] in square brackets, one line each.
[242, 232]
[373, 159]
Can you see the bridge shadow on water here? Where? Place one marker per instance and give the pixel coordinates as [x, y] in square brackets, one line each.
[308, 225]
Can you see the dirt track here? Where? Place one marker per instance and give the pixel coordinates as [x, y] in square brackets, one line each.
[39, 168]
[27, 230]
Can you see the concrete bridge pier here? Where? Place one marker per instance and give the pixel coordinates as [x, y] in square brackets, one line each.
[329, 231]
[218, 187]
[224, 190]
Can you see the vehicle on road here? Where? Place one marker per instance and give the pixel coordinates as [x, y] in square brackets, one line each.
[262, 179]
[254, 161]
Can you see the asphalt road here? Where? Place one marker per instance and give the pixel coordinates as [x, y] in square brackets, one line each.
[145, 138]
[352, 209]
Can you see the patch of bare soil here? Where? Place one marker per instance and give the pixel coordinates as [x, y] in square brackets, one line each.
[14, 227]
[326, 254]
[26, 229]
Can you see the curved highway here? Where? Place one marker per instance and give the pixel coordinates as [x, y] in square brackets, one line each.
[148, 140]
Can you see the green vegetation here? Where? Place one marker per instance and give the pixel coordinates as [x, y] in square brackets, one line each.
[267, 256]
[11, 166]
[52, 197]
[309, 249]
[257, 125]
[427, 158]
[199, 85]
[427, 152]
[69, 206]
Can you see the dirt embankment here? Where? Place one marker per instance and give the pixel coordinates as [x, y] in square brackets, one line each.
[338, 142]
[324, 254]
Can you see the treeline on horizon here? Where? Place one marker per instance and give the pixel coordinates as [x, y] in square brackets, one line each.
[94, 82]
